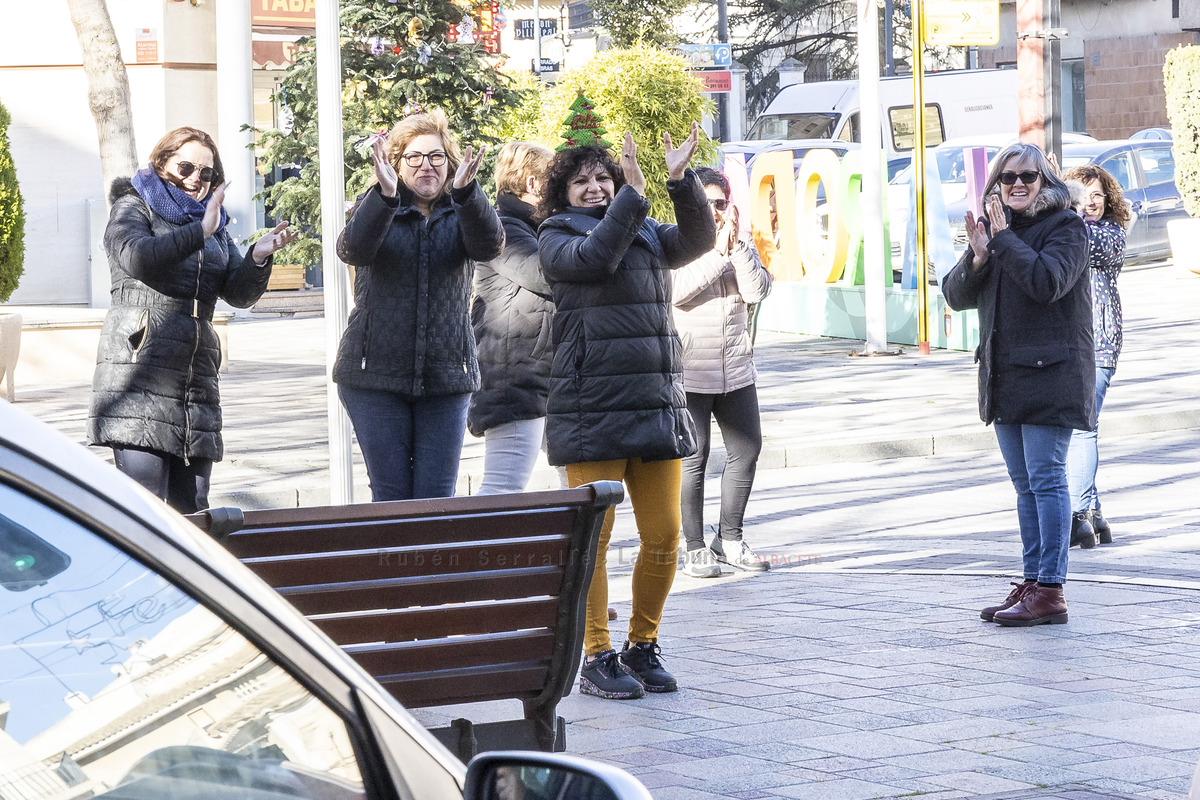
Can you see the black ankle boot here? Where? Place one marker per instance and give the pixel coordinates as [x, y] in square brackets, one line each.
[1082, 533]
[1101, 527]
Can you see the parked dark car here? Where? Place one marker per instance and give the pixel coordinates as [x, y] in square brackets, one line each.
[1145, 168]
[140, 661]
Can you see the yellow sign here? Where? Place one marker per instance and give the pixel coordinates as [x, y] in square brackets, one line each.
[959, 23]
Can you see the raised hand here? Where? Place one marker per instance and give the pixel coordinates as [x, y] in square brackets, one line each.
[279, 237]
[629, 165]
[385, 173]
[469, 166]
[727, 235]
[212, 211]
[995, 212]
[678, 158]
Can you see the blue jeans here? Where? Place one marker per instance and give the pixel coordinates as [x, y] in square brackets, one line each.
[1084, 457]
[1036, 457]
[411, 444]
[510, 452]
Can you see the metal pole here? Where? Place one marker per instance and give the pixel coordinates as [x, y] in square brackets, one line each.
[889, 39]
[235, 108]
[537, 38]
[1052, 79]
[918, 45]
[333, 219]
[874, 301]
[723, 98]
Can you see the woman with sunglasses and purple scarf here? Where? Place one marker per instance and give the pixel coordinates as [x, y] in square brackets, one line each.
[155, 398]
[1026, 273]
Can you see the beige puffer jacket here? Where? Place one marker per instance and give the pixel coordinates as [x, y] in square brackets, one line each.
[710, 297]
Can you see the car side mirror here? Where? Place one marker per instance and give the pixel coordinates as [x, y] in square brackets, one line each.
[531, 775]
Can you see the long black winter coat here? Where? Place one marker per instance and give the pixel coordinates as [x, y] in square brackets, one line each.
[511, 314]
[410, 331]
[1036, 355]
[156, 384]
[616, 387]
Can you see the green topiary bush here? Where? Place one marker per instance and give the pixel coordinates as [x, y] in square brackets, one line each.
[643, 89]
[12, 217]
[1181, 76]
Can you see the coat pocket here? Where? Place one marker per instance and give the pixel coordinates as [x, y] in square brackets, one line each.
[1038, 356]
[140, 336]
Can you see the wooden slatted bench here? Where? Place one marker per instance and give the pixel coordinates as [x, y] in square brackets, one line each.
[449, 601]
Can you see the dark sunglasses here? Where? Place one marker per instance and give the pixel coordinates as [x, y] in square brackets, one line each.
[1027, 177]
[720, 204]
[186, 168]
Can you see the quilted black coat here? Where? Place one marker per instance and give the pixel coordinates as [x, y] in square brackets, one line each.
[616, 387]
[156, 384]
[410, 331]
[511, 314]
[1036, 355]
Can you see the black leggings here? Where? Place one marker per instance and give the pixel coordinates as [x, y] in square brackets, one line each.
[737, 416]
[183, 486]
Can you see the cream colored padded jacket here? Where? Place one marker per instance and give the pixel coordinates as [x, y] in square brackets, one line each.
[710, 297]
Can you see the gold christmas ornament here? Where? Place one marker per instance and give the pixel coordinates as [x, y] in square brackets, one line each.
[416, 32]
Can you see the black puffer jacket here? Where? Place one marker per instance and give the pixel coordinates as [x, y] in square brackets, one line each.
[410, 331]
[511, 314]
[1036, 355]
[616, 387]
[156, 382]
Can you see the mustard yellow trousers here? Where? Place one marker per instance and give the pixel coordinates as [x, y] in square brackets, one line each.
[653, 488]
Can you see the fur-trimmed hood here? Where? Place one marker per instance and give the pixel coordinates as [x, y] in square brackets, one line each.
[120, 187]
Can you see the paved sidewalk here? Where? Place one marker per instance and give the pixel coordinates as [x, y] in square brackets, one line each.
[858, 667]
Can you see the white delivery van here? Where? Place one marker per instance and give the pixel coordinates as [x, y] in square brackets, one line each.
[957, 103]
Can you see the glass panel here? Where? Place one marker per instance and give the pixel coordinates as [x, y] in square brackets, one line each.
[794, 126]
[1120, 168]
[1158, 164]
[903, 127]
[116, 684]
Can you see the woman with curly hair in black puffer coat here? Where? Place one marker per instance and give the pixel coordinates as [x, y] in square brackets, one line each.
[155, 398]
[617, 409]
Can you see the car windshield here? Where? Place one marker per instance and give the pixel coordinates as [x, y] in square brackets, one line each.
[951, 162]
[807, 125]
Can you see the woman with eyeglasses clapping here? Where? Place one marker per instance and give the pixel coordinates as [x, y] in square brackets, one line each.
[155, 397]
[406, 366]
[1026, 273]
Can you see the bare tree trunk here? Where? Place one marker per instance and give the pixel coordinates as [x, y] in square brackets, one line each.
[108, 88]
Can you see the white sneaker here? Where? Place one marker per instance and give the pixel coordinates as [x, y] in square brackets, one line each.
[701, 563]
[739, 555]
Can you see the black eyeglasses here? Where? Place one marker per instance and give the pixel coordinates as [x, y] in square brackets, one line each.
[186, 168]
[414, 159]
[719, 203]
[1027, 177]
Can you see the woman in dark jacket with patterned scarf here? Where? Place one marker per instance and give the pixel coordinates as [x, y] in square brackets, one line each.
[617, 409]
[406, 365]
[511, 314]
[1026, 273]
[155, 398]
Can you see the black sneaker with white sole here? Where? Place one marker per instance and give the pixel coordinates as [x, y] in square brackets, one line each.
[641, 659]
[604, 676]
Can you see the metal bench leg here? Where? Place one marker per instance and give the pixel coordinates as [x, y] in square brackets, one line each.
[550, 729]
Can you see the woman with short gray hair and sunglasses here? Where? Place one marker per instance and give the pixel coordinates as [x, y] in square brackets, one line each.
[1026, 273]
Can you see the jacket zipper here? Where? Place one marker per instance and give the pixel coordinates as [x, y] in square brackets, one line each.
[187, 387]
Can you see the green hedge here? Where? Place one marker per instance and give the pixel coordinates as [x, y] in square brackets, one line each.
[1181, 76]
[12, 216]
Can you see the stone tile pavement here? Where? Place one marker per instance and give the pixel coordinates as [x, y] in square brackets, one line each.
[858, 667]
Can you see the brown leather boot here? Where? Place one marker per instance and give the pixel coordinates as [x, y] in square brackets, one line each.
[1013, 598]
[1040, 606]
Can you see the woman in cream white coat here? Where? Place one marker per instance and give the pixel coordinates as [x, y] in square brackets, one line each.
[711, 296]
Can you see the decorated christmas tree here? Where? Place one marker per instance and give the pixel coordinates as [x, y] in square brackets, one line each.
[583, 125]
[398, 58]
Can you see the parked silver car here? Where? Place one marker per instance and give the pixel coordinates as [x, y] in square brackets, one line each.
[140, 661]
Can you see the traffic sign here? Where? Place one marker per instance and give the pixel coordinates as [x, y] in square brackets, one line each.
[706, 56]
[718, 81]
[959, 23]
